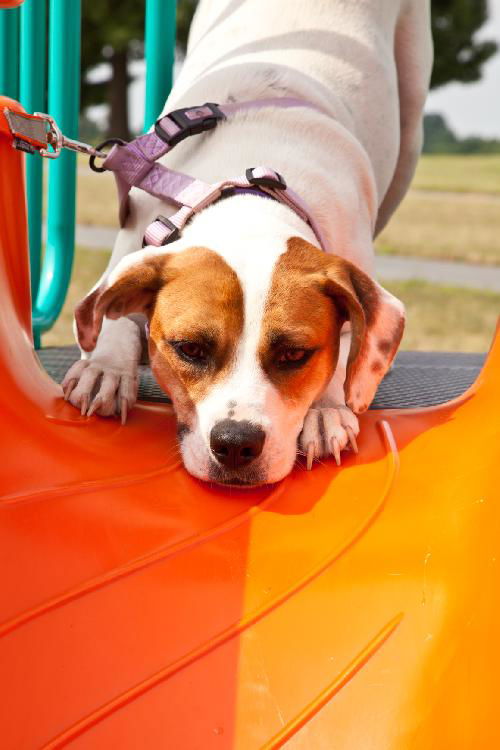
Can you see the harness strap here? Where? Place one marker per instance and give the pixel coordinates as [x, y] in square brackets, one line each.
[135, 165]
[258, 179]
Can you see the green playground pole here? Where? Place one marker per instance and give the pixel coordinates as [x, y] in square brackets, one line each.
[160, 51]
[9, 52]
[63, 105]
[32, 97]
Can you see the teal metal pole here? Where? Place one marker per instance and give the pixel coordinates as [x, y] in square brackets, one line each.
[63, 105]
[9, 52]
[32, 97]
[160, 51]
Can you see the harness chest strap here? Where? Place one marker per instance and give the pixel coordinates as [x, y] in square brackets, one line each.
[135, 165]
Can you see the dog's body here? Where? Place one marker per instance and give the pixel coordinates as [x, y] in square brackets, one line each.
[250, 264]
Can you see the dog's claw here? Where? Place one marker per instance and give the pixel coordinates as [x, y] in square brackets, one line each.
[335, 446]
[352, 439]
[123, 411]
[96, 403]
[68, 388]
[84, 405]
[310, 456]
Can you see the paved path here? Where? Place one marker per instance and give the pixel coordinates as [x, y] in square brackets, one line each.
[470, 275]
[390, 267]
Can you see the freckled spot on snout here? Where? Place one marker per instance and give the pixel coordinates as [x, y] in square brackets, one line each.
[385, 346]
[388, 346]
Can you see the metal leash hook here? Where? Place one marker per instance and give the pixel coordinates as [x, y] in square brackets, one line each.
[38, 131]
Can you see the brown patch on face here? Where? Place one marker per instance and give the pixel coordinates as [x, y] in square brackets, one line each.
[203, 303]
[312, 294]
[298, 315]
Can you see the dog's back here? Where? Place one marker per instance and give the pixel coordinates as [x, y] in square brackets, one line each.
[339, 54]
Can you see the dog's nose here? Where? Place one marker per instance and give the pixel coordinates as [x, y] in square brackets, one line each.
[236, 444]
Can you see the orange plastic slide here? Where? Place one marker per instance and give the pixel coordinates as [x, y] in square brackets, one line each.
[343, 609]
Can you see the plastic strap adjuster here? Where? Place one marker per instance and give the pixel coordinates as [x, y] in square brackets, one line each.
[276, 183]
[174, 232]
[191, 121]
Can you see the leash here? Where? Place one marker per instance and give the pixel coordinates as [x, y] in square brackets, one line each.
[135, 164]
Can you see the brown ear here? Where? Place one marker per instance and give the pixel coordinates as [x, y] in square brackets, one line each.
[128, 289]
[377, 324]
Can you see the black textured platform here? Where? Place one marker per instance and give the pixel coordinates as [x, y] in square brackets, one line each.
[416, 379]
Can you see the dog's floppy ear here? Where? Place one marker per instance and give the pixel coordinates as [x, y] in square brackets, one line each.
[377, 323]
[131, 287]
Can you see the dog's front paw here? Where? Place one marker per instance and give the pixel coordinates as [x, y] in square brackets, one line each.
[96, 388]
[328, 431]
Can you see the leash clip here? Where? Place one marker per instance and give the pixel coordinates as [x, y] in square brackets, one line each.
[38, 131]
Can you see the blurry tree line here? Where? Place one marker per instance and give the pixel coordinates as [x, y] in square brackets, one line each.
[114, 33]
[439, 138]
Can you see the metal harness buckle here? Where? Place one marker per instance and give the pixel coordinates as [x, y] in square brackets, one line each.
[191, 121]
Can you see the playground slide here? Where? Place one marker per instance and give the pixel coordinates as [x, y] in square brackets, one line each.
[347, 608]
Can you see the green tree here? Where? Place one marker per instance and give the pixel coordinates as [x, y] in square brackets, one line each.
[114, 33]
[458, 56]
[438, 138]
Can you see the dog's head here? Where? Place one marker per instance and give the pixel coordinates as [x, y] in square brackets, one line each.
[243, 349]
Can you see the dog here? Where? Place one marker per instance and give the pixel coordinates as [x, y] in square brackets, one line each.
[263, 341]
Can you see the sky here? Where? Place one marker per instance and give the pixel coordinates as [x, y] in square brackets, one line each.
[470, 109]
[474, 109]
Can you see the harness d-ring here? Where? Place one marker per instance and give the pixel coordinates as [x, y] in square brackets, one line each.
[110, 141]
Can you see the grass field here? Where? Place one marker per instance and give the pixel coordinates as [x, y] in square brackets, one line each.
[461, 227]
[442, 318]
[439, 318]
[459, 174]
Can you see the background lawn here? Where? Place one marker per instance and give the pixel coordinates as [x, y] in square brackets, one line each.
[447, 226]
[459, 174]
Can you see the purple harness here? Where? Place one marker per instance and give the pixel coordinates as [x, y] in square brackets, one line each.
[135, 165]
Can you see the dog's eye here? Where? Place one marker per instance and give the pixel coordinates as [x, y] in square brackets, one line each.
[191, 351]
[195, 351]
[293, 357]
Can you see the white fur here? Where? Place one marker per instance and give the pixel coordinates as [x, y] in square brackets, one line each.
[359, 61]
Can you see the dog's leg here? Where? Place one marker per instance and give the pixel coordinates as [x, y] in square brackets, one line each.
[413, 53]
[330, 426]
[105, 382]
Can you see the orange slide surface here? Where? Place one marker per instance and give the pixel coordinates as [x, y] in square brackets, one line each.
[344, 608]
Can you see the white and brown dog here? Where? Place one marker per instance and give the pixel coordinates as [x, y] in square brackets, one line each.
[261, 339]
